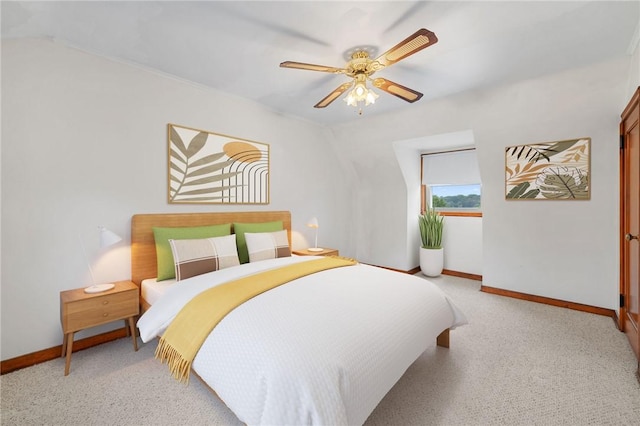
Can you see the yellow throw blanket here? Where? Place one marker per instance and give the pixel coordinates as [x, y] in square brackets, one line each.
[185, 335]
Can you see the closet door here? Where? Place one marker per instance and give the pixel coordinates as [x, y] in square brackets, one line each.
[630, 223]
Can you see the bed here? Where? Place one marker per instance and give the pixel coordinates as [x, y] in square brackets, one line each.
[322, 349]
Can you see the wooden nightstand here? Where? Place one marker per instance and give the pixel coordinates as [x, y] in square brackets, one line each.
[80, 310]
[324, 252]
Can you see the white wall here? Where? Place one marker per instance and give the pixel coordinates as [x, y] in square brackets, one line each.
[634, 63]
[558, 249]
[462, 242]
[84, 144]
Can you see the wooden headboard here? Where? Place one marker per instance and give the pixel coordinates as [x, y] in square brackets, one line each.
[143, 247]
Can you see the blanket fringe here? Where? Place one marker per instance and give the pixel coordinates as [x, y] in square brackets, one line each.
[178, 365]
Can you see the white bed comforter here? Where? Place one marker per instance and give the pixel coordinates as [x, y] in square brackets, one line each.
[321, 350]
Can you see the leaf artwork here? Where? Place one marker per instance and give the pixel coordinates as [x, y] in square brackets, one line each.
[520, 191]
[536, 152]
[551, 171]
[205, 167]
[563, 182]
[575, 154]
[524, 174]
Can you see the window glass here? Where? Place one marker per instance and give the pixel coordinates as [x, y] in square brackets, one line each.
[454, 197]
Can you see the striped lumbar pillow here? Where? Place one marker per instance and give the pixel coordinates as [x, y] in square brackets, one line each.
[267, 245]
[165, 263]
[199, 256]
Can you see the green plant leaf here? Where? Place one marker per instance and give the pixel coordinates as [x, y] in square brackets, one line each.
[182, 173]
[196, 144]
[208, 159]
[431, 225]
[177, 140]
[175, 167]
[528, 176]
[536, 152]
[561, 146]
[518, 190]
[175, 155]
[210, 169]
[533, 193]
[563, 183]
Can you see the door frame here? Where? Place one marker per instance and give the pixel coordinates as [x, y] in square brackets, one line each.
[624, 222]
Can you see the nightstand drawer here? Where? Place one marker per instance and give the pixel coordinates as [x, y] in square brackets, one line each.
[86, 313]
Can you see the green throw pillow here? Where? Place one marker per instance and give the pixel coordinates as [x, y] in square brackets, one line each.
[166, 267]
[240, 228]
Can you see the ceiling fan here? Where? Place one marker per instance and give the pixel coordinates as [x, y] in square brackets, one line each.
[361, 67]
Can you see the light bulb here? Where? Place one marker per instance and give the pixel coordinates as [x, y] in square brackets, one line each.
[371, 97]
[350, 99]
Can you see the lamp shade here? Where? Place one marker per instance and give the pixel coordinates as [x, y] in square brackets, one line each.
[108, 238]
[360, 92]
[313, 223]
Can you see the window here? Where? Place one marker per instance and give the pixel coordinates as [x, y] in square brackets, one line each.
[451, 182]
[455, 196]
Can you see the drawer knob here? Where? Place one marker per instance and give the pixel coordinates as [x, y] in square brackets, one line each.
[106, 314]
[105, 302]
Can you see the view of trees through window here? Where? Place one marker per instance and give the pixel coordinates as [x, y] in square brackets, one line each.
[456, 196]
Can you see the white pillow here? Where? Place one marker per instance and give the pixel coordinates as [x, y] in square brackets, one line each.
[199, 256]
[267, 245]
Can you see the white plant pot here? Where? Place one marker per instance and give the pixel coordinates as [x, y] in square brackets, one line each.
[431, 261]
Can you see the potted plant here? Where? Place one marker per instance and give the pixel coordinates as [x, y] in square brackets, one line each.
[431, 253]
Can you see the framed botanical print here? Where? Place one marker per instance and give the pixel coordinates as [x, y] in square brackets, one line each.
[211, 168]
[549, 171]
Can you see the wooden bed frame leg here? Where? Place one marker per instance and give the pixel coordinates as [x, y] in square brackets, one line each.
[443, 339]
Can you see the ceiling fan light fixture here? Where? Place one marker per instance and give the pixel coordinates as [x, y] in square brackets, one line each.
[360, 67]
[350, 99]
[360, 93]
[371, 97]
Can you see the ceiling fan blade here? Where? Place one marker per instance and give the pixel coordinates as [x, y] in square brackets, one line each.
[333, 95]
[396, 89]
[419, 40]
[311, 67]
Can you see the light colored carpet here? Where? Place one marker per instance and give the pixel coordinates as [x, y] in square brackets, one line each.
[516, 363]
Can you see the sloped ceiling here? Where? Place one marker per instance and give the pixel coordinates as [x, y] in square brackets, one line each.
[237, 46]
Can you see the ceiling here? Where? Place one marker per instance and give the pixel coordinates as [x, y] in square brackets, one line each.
[237, 46]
